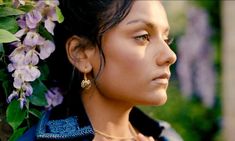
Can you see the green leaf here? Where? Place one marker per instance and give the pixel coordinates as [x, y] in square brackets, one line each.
[2, 51]
[43, 32]
[15, 115]
[6, 86]
[7, 1]
[38, 97]
[8, 11]
[7, 37]
[44, 69]
[35, 112]
[3, 75]
[26, 8]
[59, 15]
[18, 133]
[9, 24]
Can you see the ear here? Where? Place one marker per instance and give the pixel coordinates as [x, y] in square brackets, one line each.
[79, 52]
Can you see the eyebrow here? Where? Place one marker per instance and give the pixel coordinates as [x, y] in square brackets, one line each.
[149, 24]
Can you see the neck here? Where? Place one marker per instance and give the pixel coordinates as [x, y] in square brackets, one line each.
[107, 115]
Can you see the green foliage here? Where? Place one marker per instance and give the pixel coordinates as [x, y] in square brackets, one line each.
[38, 96]
[2, 51]
[188, 117]
[35, 112]
[7, 37]
[5, 81]
[42, 31]
[3, 75]
[17, 134]
[9, 24]
[15, 115]
[7, 87]
[213, 9]
[9, 11]
[26, 8]
[44, 69]
[59, 15]
[22, 119]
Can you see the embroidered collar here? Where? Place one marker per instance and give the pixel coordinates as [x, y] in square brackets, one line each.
[63, 129]
[77, 126]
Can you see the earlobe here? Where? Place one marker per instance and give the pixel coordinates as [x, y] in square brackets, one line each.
[76, 52]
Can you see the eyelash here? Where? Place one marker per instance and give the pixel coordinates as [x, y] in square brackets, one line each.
[169, 41]
[144, 37]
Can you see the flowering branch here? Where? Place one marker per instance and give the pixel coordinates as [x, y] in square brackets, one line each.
[25, 26]
[25, 57]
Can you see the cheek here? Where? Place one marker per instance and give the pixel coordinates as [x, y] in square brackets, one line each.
[126, 75]
[96, 62]
[125, 61]
[124, 72]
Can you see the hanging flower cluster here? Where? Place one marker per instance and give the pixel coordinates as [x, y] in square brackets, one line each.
[31, 47]
[26, 40]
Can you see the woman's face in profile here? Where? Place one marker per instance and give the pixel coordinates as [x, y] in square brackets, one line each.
[137, 56]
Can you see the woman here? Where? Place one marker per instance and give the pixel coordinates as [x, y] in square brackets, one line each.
[120, 49]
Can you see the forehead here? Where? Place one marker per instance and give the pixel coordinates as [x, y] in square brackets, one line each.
[148, 11]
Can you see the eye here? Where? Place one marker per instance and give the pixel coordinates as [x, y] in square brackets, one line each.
[169, 41]
[143, 38]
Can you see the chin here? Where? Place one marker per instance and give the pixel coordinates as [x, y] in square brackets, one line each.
[162, 101]
[156, 99]
[159, 99]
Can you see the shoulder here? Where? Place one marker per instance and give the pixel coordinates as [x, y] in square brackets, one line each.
[169, 133]
[160, 130]
[62, 129]
[58, 129]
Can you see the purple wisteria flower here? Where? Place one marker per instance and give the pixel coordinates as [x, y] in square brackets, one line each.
[33, 18]
[22, 24]
[32, 48]
[46, 49]
[50, 25]
[21, 21]
[13, 95]
[54, 97]
[27, 73]
[21, 32]
[28, 89]
[17, 3]
[17, 56]
[195, 62]
[51, 16]
[49, 22]
[22, 101]
[31, 57]
[32, 39]
[41, 4]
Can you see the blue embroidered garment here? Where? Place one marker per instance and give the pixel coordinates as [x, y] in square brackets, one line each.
[56, 125]
[63, 129]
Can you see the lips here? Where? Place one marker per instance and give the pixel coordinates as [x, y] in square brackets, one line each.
[162, 78]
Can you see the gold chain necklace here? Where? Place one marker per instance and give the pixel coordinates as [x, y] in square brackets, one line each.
[110, 137]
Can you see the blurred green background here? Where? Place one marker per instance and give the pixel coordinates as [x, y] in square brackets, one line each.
[189, 115]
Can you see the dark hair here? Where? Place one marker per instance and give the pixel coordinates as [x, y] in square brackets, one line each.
[88, 19]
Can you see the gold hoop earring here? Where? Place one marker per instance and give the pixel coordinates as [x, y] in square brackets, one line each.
[86, 83]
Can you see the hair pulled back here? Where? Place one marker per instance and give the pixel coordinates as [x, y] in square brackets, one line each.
[88, 19]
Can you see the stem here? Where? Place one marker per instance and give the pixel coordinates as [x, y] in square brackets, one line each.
[27, 114]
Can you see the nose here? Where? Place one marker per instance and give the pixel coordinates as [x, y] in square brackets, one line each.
[167, 56]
